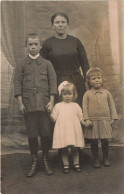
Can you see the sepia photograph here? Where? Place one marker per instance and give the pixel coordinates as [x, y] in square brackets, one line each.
[62, 97]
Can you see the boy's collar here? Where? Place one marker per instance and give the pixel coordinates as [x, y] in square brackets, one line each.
[38, 59]
[34, 57]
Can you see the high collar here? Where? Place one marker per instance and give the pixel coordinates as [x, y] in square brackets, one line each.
[38, 59]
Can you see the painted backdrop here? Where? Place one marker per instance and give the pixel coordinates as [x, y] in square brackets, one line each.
[98, 24]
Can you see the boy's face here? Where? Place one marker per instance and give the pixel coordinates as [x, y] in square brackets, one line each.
[33, 46]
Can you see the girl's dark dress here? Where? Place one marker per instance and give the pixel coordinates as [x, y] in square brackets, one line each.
[67, 56]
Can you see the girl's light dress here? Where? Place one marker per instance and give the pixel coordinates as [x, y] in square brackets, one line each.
[68, 130]
[99, 107]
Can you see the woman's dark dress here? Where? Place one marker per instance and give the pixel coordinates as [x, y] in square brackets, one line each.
[67, 56]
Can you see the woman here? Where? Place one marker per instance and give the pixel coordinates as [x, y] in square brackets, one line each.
[67, 55]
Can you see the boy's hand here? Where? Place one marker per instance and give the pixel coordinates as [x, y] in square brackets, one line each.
[88, 123]
[49, 107]
[22, 109]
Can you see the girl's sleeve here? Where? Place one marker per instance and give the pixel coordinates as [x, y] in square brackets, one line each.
[82, 58]
[85, 106]
[54, 114]
[80, 113]
[112, 107]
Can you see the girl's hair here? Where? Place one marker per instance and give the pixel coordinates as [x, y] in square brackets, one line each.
[70, 87]
[59, 14]
[33, 36]
[93, 72]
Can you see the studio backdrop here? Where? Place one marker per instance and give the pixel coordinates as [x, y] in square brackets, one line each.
[100, 27]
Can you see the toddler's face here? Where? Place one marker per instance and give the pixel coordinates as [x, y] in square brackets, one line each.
[33, 46]
[67, 96]
[96, 81]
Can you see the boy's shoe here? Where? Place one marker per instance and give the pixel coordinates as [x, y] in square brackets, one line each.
[47, 168]
[34, 168]
[77, 168]
[66, 169]
[97, 163]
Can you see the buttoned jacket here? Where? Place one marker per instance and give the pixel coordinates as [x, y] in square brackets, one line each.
[35, 80]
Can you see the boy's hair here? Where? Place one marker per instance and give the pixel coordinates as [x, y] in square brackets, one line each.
[33, 36]
[70, 87]
[93, 72]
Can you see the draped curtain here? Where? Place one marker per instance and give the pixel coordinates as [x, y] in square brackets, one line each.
[12, 42]
[19, 18]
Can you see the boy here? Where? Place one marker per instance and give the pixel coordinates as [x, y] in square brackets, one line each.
[35, 87]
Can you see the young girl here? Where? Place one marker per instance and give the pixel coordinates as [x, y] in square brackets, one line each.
[68, 132]
[99, 115]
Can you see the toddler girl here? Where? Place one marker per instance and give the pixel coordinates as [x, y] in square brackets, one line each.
[68, 132]
[99, 115]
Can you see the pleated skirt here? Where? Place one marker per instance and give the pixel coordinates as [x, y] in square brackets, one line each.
[101, 129]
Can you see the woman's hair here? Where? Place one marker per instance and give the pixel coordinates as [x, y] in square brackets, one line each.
[70, 87]
[33, 36]
[59, 14]
[93, 72]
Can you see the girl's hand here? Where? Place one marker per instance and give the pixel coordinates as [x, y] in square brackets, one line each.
[113, 123]
[88, 123]
[22, 109]
[83, 122]
[49, 107]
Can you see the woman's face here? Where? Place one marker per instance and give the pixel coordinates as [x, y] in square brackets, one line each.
[60, 25]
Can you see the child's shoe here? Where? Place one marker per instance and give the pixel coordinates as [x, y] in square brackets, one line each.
[106, 162]
[97, 163]
[66, 169]
[77, 168]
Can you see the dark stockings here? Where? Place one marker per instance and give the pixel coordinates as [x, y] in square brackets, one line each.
[94, 150]
[105, 150]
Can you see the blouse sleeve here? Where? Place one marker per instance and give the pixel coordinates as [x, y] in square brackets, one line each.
[44, 52]
[112, 107]
[82, 58]
[85, 106]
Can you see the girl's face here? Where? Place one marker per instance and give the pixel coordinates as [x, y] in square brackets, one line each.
[33, 46]
[67, 96]
[96, 81]
[60, 25]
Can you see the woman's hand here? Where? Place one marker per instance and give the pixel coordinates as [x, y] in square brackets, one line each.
[88, 123]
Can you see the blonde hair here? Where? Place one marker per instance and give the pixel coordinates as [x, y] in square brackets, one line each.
[92, 72]
[70, 87]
